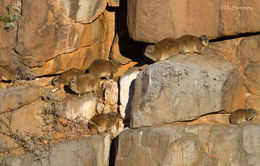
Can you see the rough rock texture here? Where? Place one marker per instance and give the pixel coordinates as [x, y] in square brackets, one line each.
[14, 97]
[253, 101]
[83, 108]
[25, 120]
[7, 40]
[174, 18]
[90, 151]
[9, 62]
[252, 74]
[113, 3]
[175, 145]
[52, 31]
[66, 34]
[250, 48]
[127, 83]
[110, 89]
[184, 88]
[9, 65]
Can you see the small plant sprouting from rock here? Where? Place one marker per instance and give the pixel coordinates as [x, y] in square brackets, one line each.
[12, 18]
[52, 110]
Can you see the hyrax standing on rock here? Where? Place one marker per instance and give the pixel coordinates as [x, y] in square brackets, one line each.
[103, 68]
[169, 47]
[242, 115]
[65, 77]
[188, 44]
[103, 122]
[86, 83]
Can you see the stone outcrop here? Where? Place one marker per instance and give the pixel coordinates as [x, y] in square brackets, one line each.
[53, 30]
[90, 151]
[202, 144]
[15, 97]
[175, 18]
[83, 108]
[252, 74]
[250, 48]
[185, 87]
[127, 84]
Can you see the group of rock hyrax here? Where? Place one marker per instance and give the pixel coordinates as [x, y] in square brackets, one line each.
[81, 82]
[169, 47]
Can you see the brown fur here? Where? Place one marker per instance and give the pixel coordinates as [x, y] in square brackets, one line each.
[103, 122]
[103, 68]
[242, 115]
[86, 83]
[65, 77]
[169, 47]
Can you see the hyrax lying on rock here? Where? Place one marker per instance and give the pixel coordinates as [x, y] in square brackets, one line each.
[86, 83]
[103, 122]
[64, 78]
[103, 68]
[169, 47]
[242, 115]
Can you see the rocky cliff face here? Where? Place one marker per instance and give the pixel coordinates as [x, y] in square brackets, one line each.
[171, 110]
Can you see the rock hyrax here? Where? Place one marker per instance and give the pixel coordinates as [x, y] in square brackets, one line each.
[189, 43]
[65, 77]
[86, 83]
[169, 47]
[242, 115]
[103, 122]
[162, 50]
[103, 68]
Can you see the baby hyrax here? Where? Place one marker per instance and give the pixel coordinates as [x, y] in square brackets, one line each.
[169, 47]
[242, 115]
[86, 83]
[65, 77]
[103, 122]
[103, 68]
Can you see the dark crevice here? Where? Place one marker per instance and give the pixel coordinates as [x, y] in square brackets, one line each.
[234, 36]
[127, 46]
[113, 152]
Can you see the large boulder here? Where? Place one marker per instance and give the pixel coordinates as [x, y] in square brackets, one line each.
[181, 144]
[174, 18]
[65, 34]
[53, 30]
[185, 87]
[89, 151]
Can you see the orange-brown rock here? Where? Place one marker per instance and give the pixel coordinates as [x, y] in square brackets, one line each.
[55, 29]
[81, 58]
[113, 3]
[175, 18]
[253, 101]
[250, 48]
[252, 78]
